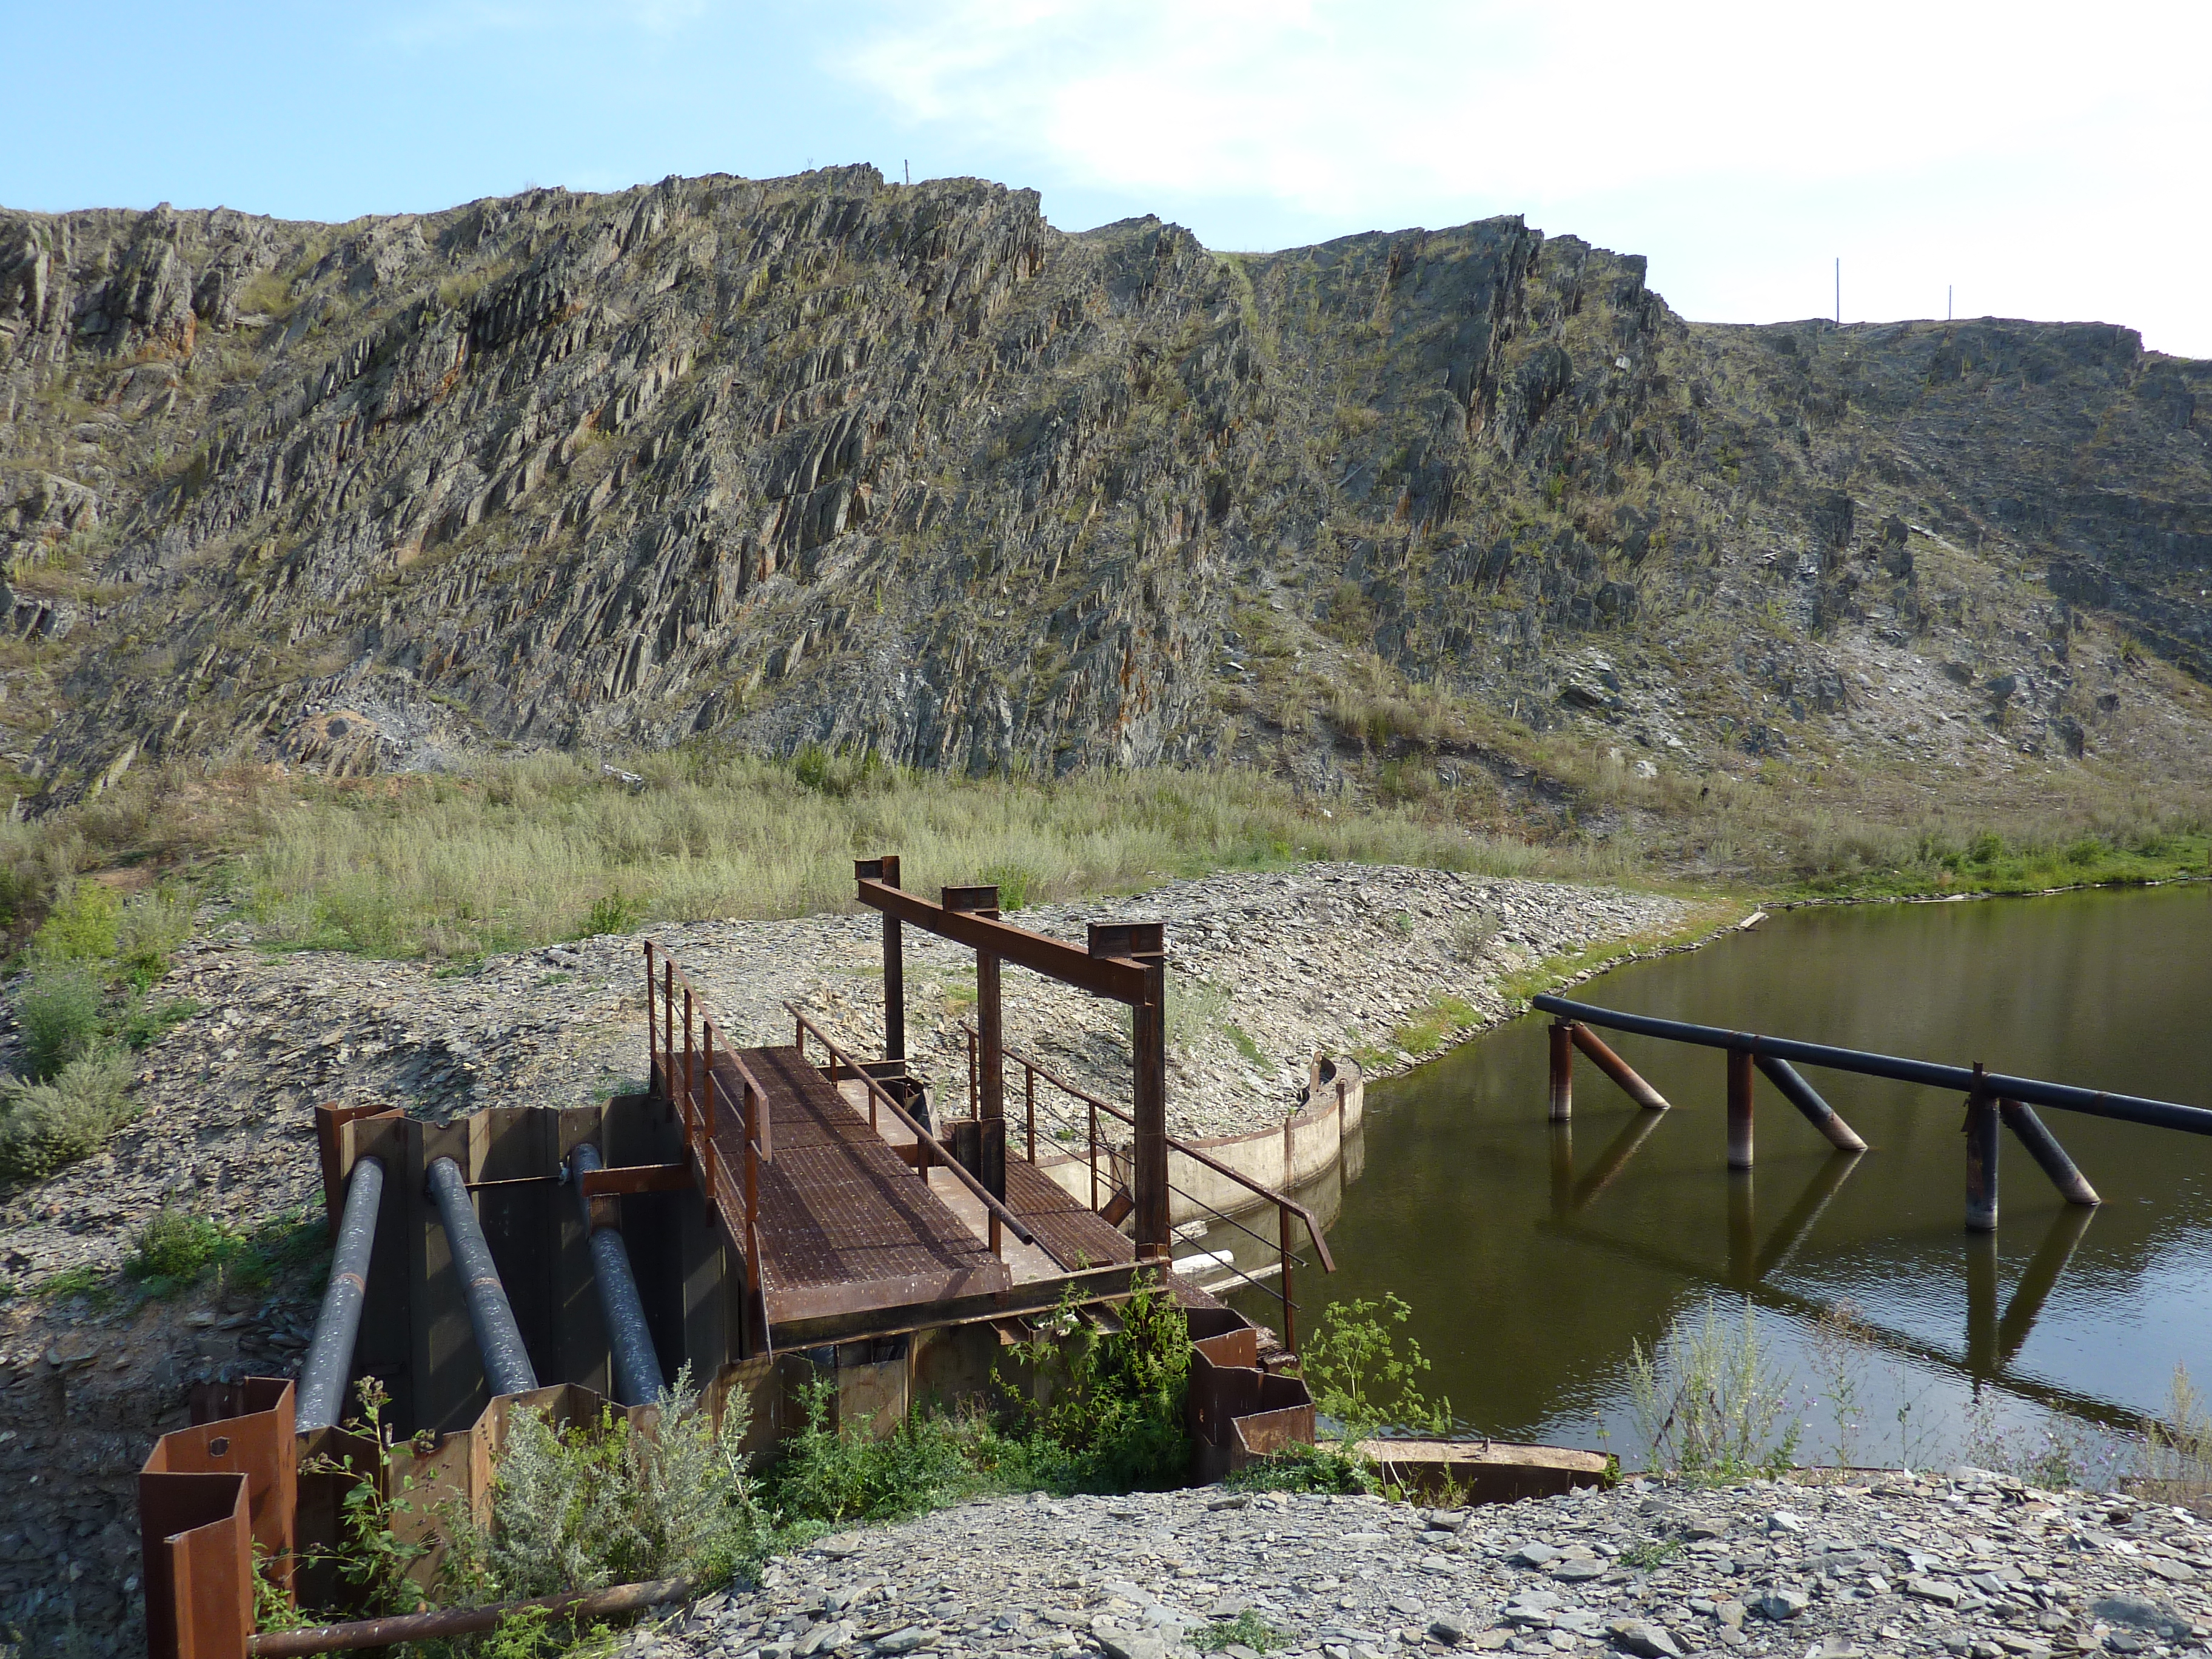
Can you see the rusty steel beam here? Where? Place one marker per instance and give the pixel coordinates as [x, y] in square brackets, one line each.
[1739, 1088]
[1103, 975]
[2043, 1147]
[1806, 1099]
[886, 871]
[1618, 1069]
[1562, 1107]
[460, 1621]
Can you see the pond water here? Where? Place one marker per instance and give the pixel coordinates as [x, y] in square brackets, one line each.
[1534, 1255]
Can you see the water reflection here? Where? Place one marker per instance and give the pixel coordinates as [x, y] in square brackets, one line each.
[1532, 1269]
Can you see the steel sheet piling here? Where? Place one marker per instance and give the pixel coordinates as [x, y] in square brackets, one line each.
[1740, 1086]
[1563, 1072]
[637, 1377]
[1801, 1095]
[328, 1367]
[499, 1339]
[2043, 1147]
[1618, 1069]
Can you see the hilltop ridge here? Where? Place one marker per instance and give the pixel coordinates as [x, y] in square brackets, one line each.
[905, 469]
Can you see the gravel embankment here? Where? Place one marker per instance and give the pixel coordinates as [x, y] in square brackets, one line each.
[1974, 1566]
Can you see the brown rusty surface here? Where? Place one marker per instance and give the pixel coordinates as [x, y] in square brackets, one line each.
[1063, 1222]
[845, 1224]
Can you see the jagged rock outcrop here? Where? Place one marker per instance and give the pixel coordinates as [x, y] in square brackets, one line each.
[906, 468]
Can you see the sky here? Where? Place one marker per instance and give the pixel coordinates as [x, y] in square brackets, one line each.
[2021, 159]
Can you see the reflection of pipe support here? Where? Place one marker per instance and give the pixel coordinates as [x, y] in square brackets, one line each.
[1614, 1159]
[1618, 1069]
[328, 1367]
[1563, 1073]
[2036, 1283]
[2043, 1147]
[1801, 1095]
[499, 1339]
[1563, 1168]
[1806, 1210]
[637, 1367]
[1982, 1304]
[1742, 1244]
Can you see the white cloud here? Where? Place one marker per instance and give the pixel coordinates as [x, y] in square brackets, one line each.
[1848, 120]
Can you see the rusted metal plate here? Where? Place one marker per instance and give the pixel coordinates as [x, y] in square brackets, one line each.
[197, 1550]
[1063, 1222]
[1038, 1296]
[638, 1178]
[253, 1438]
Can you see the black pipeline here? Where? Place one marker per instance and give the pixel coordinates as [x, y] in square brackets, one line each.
[638, 1381]
[499, 1339]
[329, 1364]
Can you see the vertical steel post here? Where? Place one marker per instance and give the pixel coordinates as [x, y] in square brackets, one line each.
[1094, 1159]
[668, 1026]
[690, 1072]
[714, 1114]
[1740, 1083]
[894, 970]
[652, 1036]
[1289, 1308]
[1982, 1122]
[971, 1073]
[1150, 1032]
[1563, 1072]
[1028, 1087]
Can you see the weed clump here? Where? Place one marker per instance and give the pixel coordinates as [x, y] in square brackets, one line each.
[58, 1012]
[48, 1125]
[1707, 1402]
[1358, 1376]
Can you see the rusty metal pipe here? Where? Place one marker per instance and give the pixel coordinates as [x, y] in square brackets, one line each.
[638, 1381]
[1618, 1069]
[328, 1366]
[2043, 1147]
[1563, 1072]
[1801, 1095]
[1740, 1089]
[506, 1362]
[1981, 1165]
[460, 1621]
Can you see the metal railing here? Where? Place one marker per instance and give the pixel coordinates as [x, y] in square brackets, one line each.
[1286, 1207]
[927, 1145]
[698, 1096]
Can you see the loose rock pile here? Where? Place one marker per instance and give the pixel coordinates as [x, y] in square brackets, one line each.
[1973, 1566]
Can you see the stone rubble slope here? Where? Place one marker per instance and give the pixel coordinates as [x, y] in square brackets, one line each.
[1976, 1565]
[1333, 958]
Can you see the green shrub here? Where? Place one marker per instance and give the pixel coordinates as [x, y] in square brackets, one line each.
[1016, 883]
[146, 1023]
[1707, 1400]
[1305, 1468]
[1113, 1400]
[82, 927]
[612, 913]
[1246, 1629]
[827, 1476]
[45, 1126]
[152, 926]
[599, 1503]
[57, 1010]
[174, 1249]
[1352, 1367]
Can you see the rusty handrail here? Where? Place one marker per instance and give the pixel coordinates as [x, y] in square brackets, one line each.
[922, 1137]
[1280, 1200]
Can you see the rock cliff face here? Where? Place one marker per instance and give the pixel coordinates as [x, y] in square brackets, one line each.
[905, 468]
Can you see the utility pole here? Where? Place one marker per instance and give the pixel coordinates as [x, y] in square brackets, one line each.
[909, 166]
[1839, 291]
[1949, 288]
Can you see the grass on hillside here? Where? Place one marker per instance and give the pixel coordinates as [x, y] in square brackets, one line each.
[525, 852]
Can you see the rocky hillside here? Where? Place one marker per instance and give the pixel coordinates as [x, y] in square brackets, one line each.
[907, 468]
